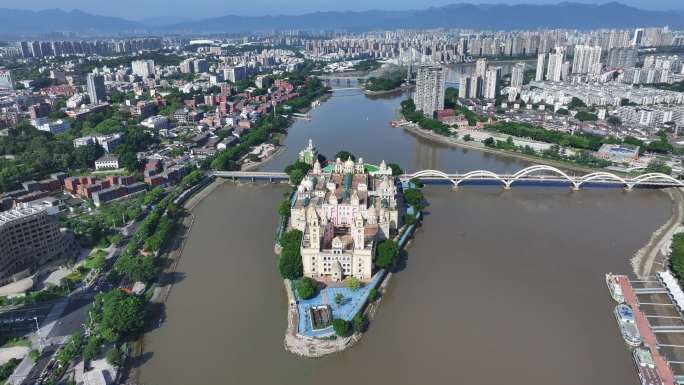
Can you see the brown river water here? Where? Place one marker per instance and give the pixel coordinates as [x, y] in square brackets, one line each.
[498, 287]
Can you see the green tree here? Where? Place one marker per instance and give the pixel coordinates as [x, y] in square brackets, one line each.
[467, 138]
[339, 298]
[387, 252]
[373, 294]
[584, 116]
[284, 208]
[396, 170]
[359, 323]
[489, 142]
[136, 268]
[92, 348]
[114, 356]
[341, 327]
[576, 103]
[290, 263]
[344, 155]
[353, 283]
[118, 314]
[414, 197]
[306, 287]
[657, 165]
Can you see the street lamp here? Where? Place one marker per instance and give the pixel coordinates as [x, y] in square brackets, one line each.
[40, 339]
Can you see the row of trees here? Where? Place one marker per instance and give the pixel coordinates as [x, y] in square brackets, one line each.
[408, 109]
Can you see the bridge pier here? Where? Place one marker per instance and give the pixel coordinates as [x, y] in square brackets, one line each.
[574, 188]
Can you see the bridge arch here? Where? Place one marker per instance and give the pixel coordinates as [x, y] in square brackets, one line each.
[480, 174]
[600, 175]
[643, 178]
[432, 174]
[539, 167]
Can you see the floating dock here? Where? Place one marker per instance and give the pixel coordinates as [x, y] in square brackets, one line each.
[647, 335]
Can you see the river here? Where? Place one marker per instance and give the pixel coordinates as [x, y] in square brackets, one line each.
[497, 287]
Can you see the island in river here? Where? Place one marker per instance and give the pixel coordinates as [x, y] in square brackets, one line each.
[345, 226]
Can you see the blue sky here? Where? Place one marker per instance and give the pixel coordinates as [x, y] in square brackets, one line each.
[143, 9]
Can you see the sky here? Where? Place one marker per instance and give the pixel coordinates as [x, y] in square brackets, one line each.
[197, 9]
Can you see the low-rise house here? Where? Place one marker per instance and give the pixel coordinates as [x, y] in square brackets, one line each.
[107, 162]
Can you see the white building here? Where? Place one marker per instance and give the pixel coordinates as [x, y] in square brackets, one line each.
[430, 88]
[541, 63]
[54, 127]
[555, 67]
[143, 68]
[518, 76]
[491, 89]
[6, 79]
[585, 59]
[107, 162]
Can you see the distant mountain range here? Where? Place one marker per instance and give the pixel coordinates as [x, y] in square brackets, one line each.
[483, 16]
[17, 22]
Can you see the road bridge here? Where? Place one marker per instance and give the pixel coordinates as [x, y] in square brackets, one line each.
[536, 175]
[543, 174]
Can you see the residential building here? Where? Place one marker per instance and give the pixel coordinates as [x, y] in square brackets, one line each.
[30, 236]
[107, 162]
[430, 88]
[585, 59]
[96, 88]
[541, 64]
[518, 76]
[143, 68]
[555, 66]
[492, 82]
[6, 79]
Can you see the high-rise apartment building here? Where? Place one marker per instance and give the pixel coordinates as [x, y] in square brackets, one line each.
[585, 58]
[492, 81]
[476, 86]
[29, 236]
[541, 63]
[96, 88]
[430, 83]
[622, 58]
[143, 68]
[554, 69]
[201, 66]
[518, 76]
[481, 68]
[464, 86]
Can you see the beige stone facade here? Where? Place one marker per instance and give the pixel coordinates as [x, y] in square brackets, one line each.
[343, 212]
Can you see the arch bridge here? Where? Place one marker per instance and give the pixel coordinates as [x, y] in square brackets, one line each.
[538, 174]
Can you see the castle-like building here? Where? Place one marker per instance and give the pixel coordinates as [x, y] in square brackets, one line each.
[343, 211]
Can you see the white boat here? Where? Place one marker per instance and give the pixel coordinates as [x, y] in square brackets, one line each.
[614, 288]
[628, 328]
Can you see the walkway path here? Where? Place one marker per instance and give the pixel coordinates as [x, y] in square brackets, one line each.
[659, 245]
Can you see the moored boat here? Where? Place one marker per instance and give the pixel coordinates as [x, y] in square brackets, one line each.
[628, 328]
[645, 366]
[614, 288]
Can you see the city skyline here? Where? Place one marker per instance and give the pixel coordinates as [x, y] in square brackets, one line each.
[211, 8]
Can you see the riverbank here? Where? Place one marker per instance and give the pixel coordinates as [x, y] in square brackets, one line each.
[386, 92]
[162, 292]
[480, 147]
[658, 246]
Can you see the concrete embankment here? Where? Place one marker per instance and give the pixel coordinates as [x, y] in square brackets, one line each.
[480, 147]
[645, 261]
